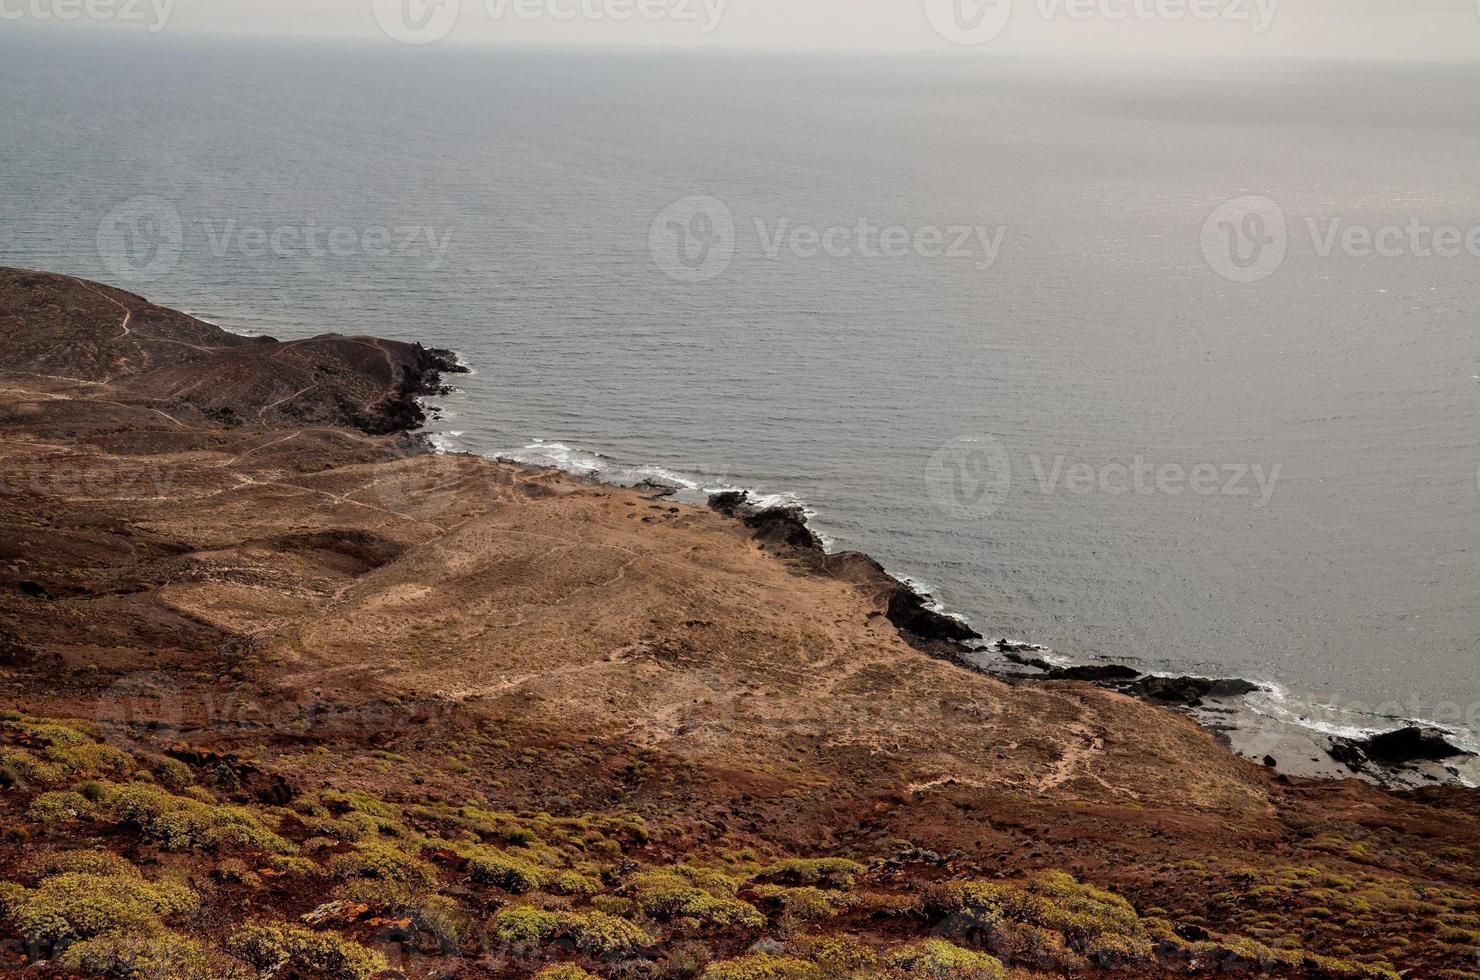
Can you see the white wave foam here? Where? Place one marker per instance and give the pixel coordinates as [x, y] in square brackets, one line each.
[1276, 702]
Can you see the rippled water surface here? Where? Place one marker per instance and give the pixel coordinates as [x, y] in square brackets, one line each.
[1098, 336]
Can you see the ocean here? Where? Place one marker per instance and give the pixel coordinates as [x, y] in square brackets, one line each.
[1172, 364]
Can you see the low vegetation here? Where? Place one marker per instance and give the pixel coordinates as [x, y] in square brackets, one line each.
[372, 882]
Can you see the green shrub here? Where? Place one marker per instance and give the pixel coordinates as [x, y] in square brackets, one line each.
[90, 757]
[71, 906]
[938, 958]
[20, 768]
[151, 955]
[358, 801]
[839, 873]
[492, 866]
[806, 904]
[58, 806]
[762, 966]
[573, 883]
[180, 823]
[444, 919]
[671, 893]
[335, 827]
[599, 934]
[564, 972]
[171, 773]
[837, 955]
[104, 863]
[278, 948]
[384, 863]
[49, 733]
[524, 925]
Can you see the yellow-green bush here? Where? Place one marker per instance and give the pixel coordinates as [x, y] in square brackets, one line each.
[680, 892]
[58, 806]
[806, 903]
[839, 873]
[20, 768]
[90, 757]
[275, 948]
[151, 954]
[180, 823]
[599, 934]
[384, 863]
[836, 955]
[510, 872]
[335, 827]
[443, 918]
[564, 972]
[573, 883]
[938, 958]
[104, 863]
[358, 801]
[524, 925]
[762, 966]
[71, 906]
[1087, 920]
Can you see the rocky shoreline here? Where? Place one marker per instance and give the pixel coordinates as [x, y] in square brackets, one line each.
[1410, 756]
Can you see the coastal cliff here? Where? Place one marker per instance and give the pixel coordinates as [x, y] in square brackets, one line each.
[343, 707]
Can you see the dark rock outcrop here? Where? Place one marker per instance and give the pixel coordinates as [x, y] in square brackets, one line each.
[1403, 747]
[785, 530]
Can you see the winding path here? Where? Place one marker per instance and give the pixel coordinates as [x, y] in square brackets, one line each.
[128, 314]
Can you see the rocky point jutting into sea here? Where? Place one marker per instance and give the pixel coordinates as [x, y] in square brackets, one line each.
[286, 694]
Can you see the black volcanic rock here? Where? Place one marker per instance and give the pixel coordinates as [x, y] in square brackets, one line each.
[1189, 691]
[785, 529]
[1401, 747]
[779, 527]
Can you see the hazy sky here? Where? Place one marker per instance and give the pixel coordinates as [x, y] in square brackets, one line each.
[1321, 28]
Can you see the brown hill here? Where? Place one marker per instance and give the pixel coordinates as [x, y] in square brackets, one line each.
[69, 330]
[514, 695]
